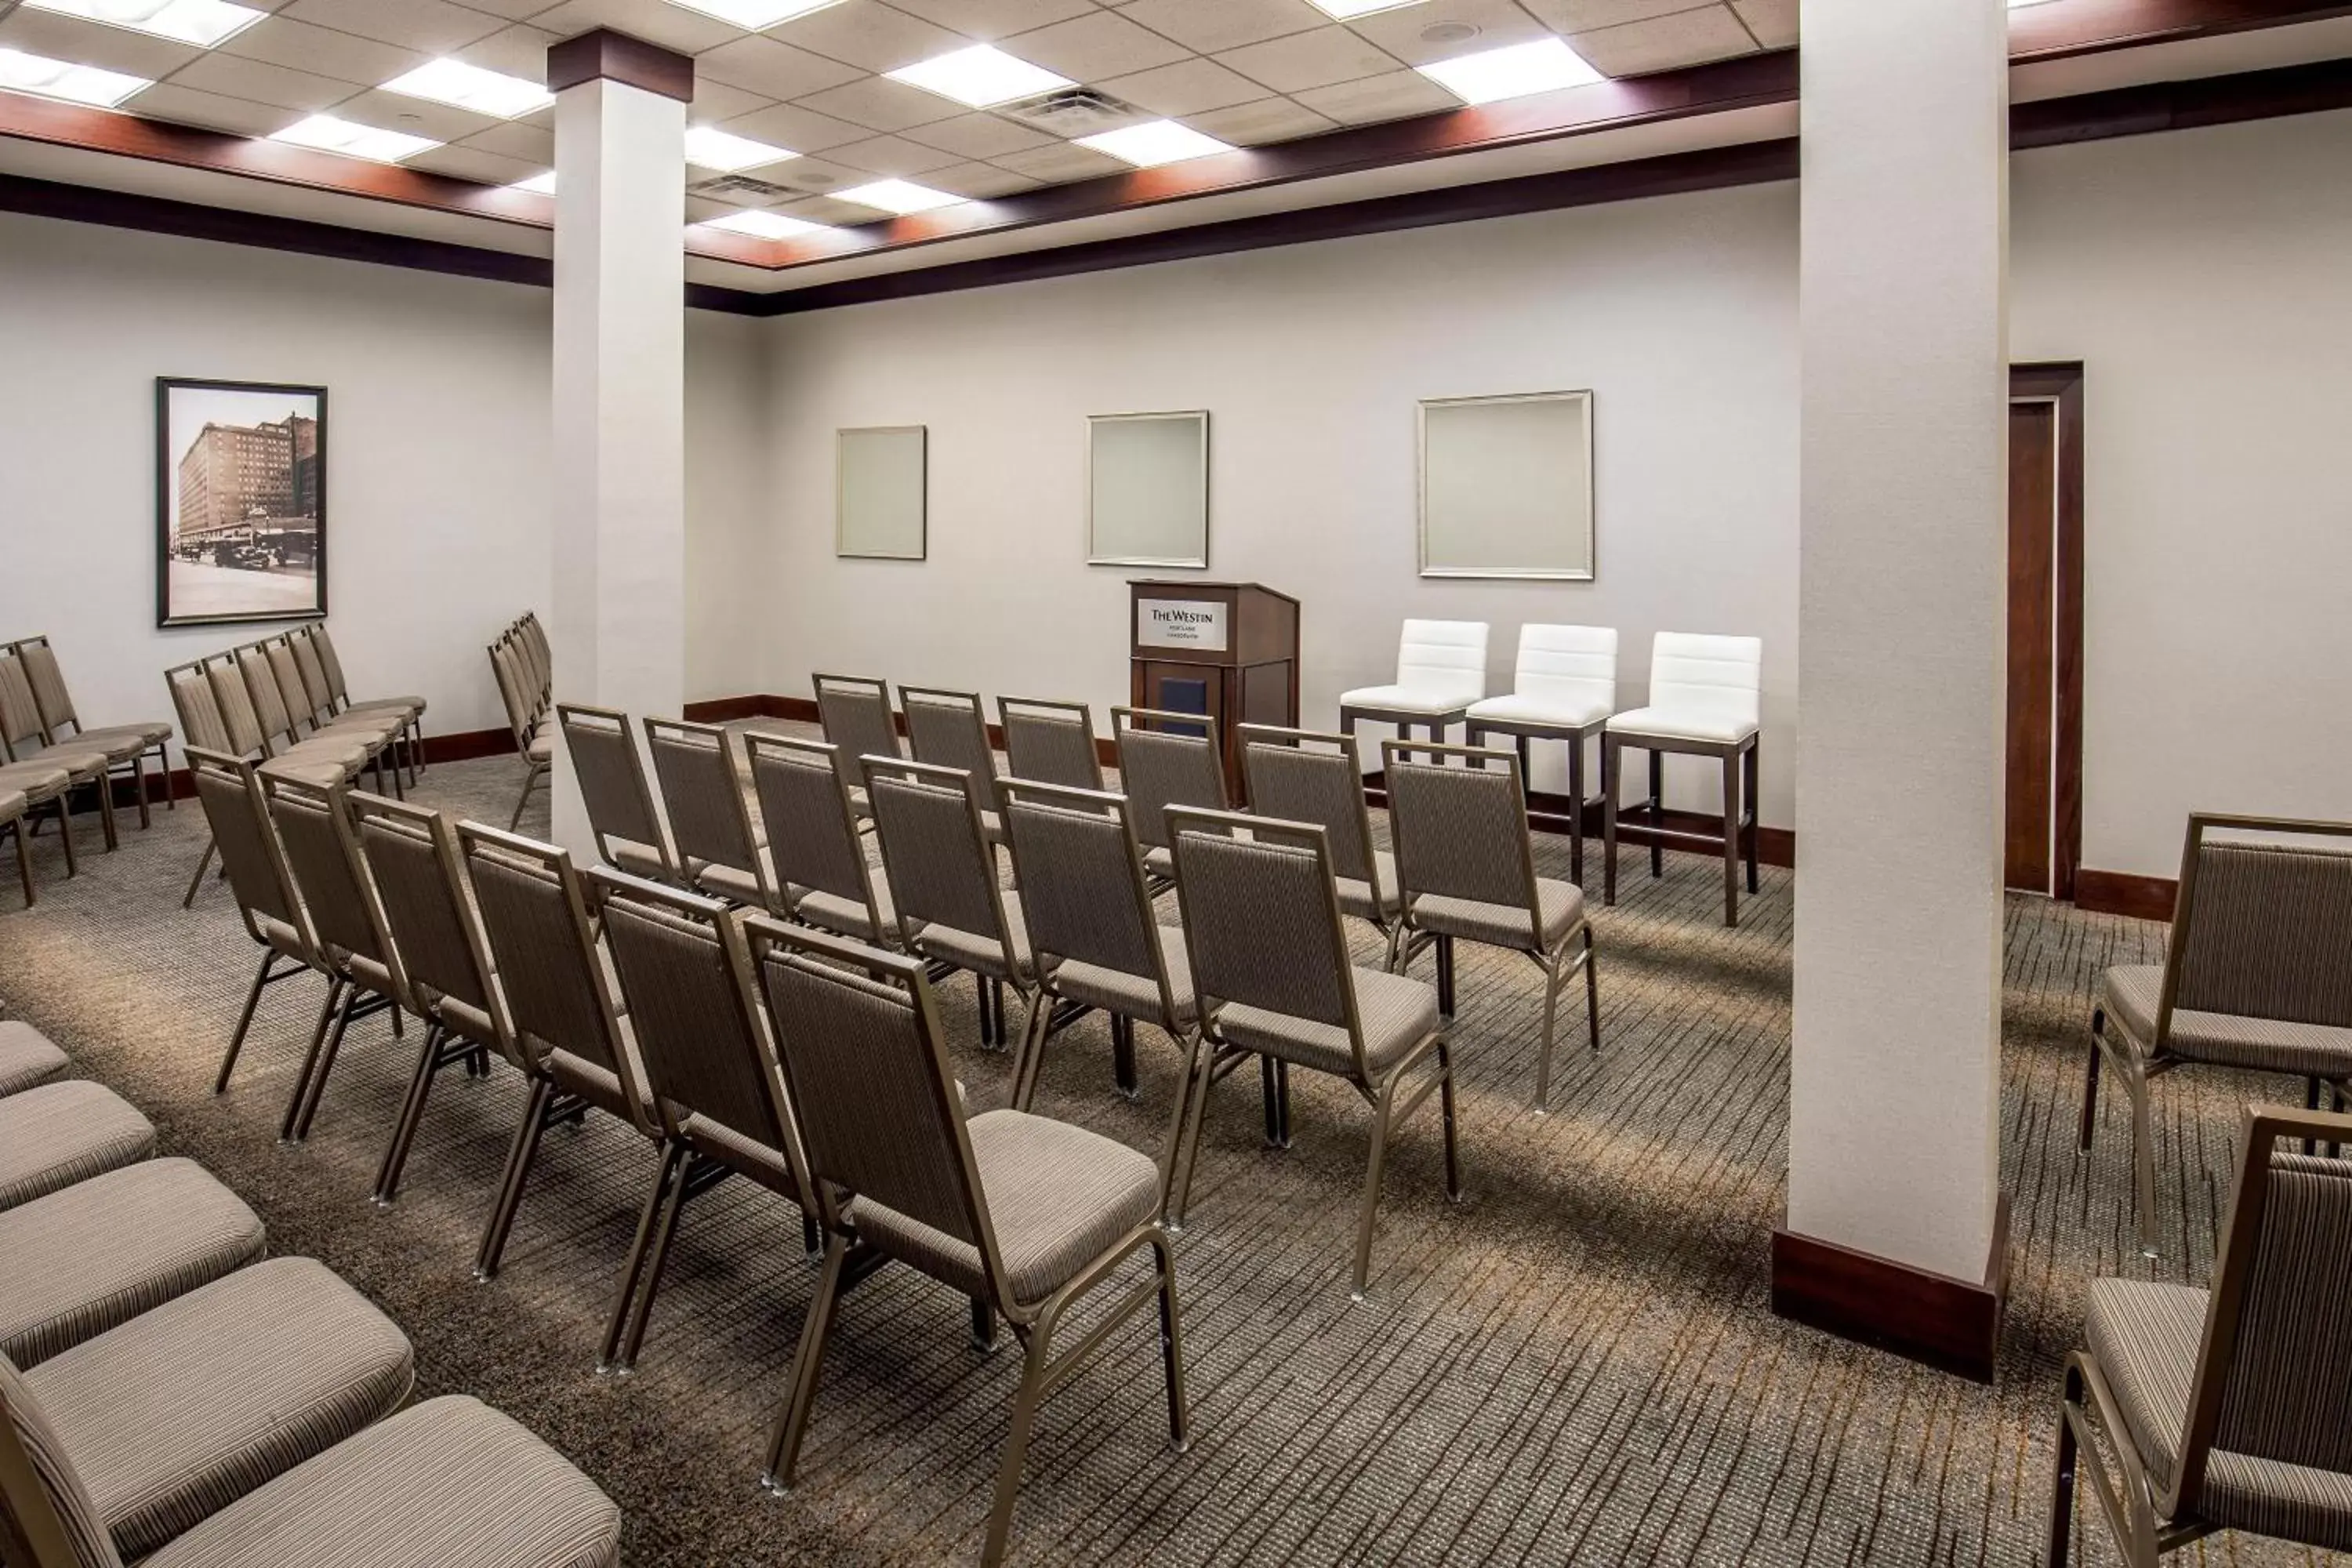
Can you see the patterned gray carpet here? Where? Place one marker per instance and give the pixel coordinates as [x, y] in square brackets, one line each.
[1576, 1365]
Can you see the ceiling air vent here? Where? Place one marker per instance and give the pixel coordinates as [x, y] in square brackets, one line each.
[745, 191]
[1073, 111]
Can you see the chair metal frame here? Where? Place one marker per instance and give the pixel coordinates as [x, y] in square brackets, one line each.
[98, 779]
[2146, 1521]
[852, 688]
[1176, 726]
[983, 785]
[524, 715]
[1047, 709]
[756, 745]
[612, 719]
[339, 694]
[52, 722]
[1344, 747]
[1035, 1325]
[663, 737]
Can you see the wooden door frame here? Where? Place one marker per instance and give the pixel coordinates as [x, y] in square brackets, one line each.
[2061, 382]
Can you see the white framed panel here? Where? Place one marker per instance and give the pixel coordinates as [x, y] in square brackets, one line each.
[1148, 490]
[880, 486]
[1506, 486]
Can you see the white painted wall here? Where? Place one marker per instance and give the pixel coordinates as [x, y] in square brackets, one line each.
[438, 440]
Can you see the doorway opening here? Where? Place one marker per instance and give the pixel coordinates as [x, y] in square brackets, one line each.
[2042, 840]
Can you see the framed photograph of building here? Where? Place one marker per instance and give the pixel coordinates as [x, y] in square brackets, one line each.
[240, 501]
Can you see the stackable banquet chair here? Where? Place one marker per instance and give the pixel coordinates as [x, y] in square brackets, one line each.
[809, 806]
[1165, 759]
[621, 816]
[1050, 743]
[719, 847]
[127, 746]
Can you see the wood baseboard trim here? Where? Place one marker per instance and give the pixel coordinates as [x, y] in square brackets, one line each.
[462, 747]
[2122, 893]
[1952, 1325]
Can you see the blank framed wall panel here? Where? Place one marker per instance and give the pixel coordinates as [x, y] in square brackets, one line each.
[1148, 490]
[1506, 486]
[879, 480]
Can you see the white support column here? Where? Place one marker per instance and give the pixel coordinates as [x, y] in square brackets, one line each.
[1893, 1136]
[618, 627]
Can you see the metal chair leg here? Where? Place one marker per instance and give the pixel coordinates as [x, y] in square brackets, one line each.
[673, 1163]
[1552, 979]
[1122, 1056]
[2143, 1161]
[188, 899]
[1591, 995]
[520, 1155]
[411, 1111]
[316, 1089]
[65, 831]
[261, 977]
[1445, 1106]
[1611, 753]
[1381, 1110]
[1016, 1444]
[655, 1266]
[2091, 1085]
[2061, 1494]
[1172, 1347]
[23, 861]
[808, 1367]
[1196, 1108]
[332, 1018]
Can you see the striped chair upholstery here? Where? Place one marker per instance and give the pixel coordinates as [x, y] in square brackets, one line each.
[1303, 775]
[27, 1057]
[823, 876]
[944, 874]
[1160, 767]
[702, 777]
[1050, 743]
[126, 745]
[611, 781]
[949, 730]
[856, 715]
[61, 1133]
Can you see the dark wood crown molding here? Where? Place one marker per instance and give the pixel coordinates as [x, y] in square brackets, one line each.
[603, 55]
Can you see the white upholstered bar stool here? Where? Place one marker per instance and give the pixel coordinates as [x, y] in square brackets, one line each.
[1705, 698]
[1440, 670]
[1564, 689]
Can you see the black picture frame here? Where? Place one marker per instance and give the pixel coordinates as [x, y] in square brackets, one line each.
[199, 562]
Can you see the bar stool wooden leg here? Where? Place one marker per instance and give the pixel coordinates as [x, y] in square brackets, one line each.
[1576, 809]
[1730, 839]
[1608, 818]
[1657, 810]
[1755, 812]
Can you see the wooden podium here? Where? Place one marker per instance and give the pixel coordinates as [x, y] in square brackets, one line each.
[1226, 650]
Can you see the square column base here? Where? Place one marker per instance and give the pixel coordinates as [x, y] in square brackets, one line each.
[1952, 1325]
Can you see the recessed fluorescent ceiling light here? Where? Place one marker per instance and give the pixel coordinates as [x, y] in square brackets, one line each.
[762, 224]
[201, 22]
[470, 87]
[900, 197]
[1155, 142]
[39, 75]
[979, 76]
[712, 149]
[330, 135]
[1361, 8]
[1511, 72]
[537, 184]
[755, 13]
[2015, 5]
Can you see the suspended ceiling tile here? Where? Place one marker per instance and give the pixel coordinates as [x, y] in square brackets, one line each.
[1664, 43]
[982, 180]
[880, 104]
[321, 52]
[1061, 162]
[210, 111]
[435, 27]
[1583, 15]
[869, 34]
[1302, 60]
[995, 20]
[261, 82]
[655, 21]
[1774, 22]
[1390, 97]
[978, 136]
[774, 70]
[1407, 31]
[516, 50]
[1256, 124]
[415, 116]
[86, 43]
[474, 163]
[1208, 25]
[894, 156]
[790, 125]
[1186, 87]
[1096, 46]
[531, 143]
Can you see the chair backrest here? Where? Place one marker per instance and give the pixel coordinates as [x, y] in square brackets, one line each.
[1714, 678]
[514, 694]
[317, 690]
[1444, 658]
[202, 722]
[234, 702]
[879, 1116]
[702, 796]
[2274, 1378]
[322, 853]
[1460, 832]
[412, 856]
[20, 714]
[611, 779]
[949, 730]
[856, 715]
[49, 679]
[1160, 767]
[535, 918]
[1566, 666]
[1050, 743]
[1261, 919]
[2263, 929]
[270, 707]
[1305, 775]
[45, 1504]
[287, 676]
[331, 662]
[941, 868]
[686, 980]
[1083, 893]
[812, 826]
[249, 850]
[529, 640]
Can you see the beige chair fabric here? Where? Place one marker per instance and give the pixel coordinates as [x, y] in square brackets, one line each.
[808, 805]
[14, 807]
[127, 746]
[719, 847]
[1305, 775]
[857, 715]
[24, 740]
[27, 1057]
[611, 779]
[1050, 743]
[61, 1133]
[1164, 760]
[949, 730]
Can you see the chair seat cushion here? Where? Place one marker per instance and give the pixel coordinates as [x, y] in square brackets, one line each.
[1408, 699]
[119, 745]
[61, 1133]
[2146, 1338]
[1561, 905]
[1668, 724]
[323, 770]
[542, 748]
[2132, 994]
[182, 1411]
[39, 783]
[726, 882]
[450, 1483]
[1514, 708]
[1132, 996]
[150, 732]
[405, 704]
[27, 1057]
[1356, 894]
[847, 916]
[73, 753]
[1058, 1196]
[12, 805]
[982, 954]
[1397, 1013]
[743, 1153]
[637, 859]
[103, 1251]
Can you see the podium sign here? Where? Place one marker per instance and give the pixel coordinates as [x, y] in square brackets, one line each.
[1181, 622]
[1226, 651]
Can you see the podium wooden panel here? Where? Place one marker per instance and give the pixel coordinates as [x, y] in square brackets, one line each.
[1228, 651]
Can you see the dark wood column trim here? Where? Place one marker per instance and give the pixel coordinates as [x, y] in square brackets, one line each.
[608, 55]
[2062, 383]
[1953, 1325]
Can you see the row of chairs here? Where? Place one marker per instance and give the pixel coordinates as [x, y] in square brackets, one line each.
[47, 753]
[1706, 699]
[282, 701]
[808, 1065]
[172, 1397]
[523, 666]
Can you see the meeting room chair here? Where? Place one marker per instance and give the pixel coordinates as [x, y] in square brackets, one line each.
[560, 1006]
[952, 908]
[1272, 977]
[1441, 670]
[719, 847]
[856, 715]
[368, 740]
[1306, 775]
[30, 787]
[1088, 907]
[339, 691]
[24, 741]
[1166, 759]
[2257, 974]
[621, 819]
[14, 806]
[1564, 689]
[526, 719]
[127, 745]
[949, 730]
[1026, 1213]
[217, 716]
[2226, 1408]
[823, 875]
[1466, 866]
[686, 982]
[1050, 743]
[1706, 699]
